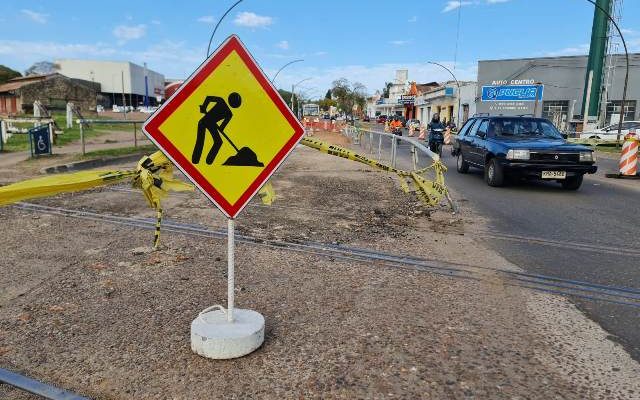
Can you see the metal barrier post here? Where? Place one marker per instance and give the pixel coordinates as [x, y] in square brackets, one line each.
[135, 137]
[379, 147]
[394, 147]
[414, 157]
[82, 136]
[1, 135]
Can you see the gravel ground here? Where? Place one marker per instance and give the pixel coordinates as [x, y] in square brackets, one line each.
[83, 307]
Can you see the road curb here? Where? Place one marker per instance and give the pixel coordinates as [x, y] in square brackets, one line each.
[89, 164]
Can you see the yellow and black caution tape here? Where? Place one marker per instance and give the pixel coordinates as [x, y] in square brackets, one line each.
[430, 192]
[153, 175]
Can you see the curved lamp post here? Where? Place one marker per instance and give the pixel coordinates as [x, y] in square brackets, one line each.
[626, 75]
[218, 24]
[283, 67]
[293, 90]
[457, 83]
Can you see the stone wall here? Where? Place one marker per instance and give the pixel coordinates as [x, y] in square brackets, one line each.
[55, 91]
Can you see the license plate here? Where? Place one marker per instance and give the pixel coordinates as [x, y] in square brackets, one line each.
[554, 174]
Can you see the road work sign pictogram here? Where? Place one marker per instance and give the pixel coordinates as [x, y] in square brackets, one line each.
[226, 128]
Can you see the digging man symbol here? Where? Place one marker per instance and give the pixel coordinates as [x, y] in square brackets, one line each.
[215, 120]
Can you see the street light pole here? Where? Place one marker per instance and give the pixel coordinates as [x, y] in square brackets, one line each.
[626, 75]
[293, 90]
[283, 67]
[457, 83]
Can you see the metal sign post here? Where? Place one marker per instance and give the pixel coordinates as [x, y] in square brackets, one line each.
[231, 248]
[228, 85]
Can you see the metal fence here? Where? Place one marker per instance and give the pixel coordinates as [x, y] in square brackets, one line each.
[387, 149]
[84, 123]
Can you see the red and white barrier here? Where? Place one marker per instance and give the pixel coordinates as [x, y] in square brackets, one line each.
[629, 157]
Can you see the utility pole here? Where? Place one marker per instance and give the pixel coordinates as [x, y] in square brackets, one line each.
[535, 107]
[587, 100]
[124, 99]
[293, 87]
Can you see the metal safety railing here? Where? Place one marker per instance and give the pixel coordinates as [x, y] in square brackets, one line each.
[83, 123]
[379, 143]
[388, 149]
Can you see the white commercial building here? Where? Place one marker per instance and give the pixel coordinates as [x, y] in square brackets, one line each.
[116, 78]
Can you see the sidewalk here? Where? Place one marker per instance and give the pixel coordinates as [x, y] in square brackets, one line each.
[94, 316]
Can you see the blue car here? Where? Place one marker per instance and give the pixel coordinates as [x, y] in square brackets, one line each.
[521, 147]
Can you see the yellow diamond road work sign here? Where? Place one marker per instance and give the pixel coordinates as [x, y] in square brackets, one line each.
[226, 128]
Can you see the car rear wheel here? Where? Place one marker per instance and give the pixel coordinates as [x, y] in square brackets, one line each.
[493, 173]
[573, 183]
[461, 165]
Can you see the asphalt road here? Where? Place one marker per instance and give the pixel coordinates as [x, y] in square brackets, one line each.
[604, 212]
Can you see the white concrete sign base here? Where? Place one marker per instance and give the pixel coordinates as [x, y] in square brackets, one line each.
[212, 336]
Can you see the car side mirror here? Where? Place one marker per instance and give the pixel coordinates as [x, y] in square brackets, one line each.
[481, 135]
[565, 136]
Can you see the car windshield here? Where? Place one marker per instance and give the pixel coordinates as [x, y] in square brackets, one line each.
[523, 128]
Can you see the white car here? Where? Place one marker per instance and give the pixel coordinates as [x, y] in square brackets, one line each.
[610, 132]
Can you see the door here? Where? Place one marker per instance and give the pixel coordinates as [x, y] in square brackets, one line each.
[466, 138]
[477, 145]
[14, 106]
[465, 112]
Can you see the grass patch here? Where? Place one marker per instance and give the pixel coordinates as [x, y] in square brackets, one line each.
[20, 142]
[121, 151]
[612, 148]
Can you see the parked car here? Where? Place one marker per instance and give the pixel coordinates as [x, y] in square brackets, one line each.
[610, 132]
[522, 147]
[366, 119]
[326, 116]
[381, 119]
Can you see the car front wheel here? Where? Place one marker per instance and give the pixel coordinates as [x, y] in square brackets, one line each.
[493, 173]
[573, 183]
[461, 165]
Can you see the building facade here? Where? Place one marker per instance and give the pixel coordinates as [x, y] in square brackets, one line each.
[53, 91]
[443, 100]
[553, 87]
[122, 83]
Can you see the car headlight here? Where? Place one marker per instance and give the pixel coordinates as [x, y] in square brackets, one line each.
[518, 155]
[587, 156]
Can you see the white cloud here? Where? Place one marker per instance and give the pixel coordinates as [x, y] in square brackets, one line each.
[631, 32]
[283, 44]
[35, 16]
[399, 42]
[156, 22]
[26, 52]
[454, 5]
[320, 53]
[496, 1]
[413, 19]
[252, 20]
[207, 19]
[373, 77]
[125, 33]
[578, 50]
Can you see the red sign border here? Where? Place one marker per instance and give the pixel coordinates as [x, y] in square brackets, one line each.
[151, 127]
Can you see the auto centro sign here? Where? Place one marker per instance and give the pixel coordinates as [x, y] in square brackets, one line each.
[512, 92]
[407, 99]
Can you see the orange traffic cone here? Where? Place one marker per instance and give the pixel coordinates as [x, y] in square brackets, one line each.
[629, 157]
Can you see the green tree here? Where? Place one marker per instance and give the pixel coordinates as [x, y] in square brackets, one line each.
[42, 68]
[386, 88]
[348, 95]
[7, 73]
[328, 95]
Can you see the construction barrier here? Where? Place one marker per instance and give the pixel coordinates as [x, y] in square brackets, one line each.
[628, 164]
[430, 192]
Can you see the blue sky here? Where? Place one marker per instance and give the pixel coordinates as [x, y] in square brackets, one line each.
[361, 40]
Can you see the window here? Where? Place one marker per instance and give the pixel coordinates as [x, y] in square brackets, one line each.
[466, 127]
[483, 127]
[613, 107]
[552, 108]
